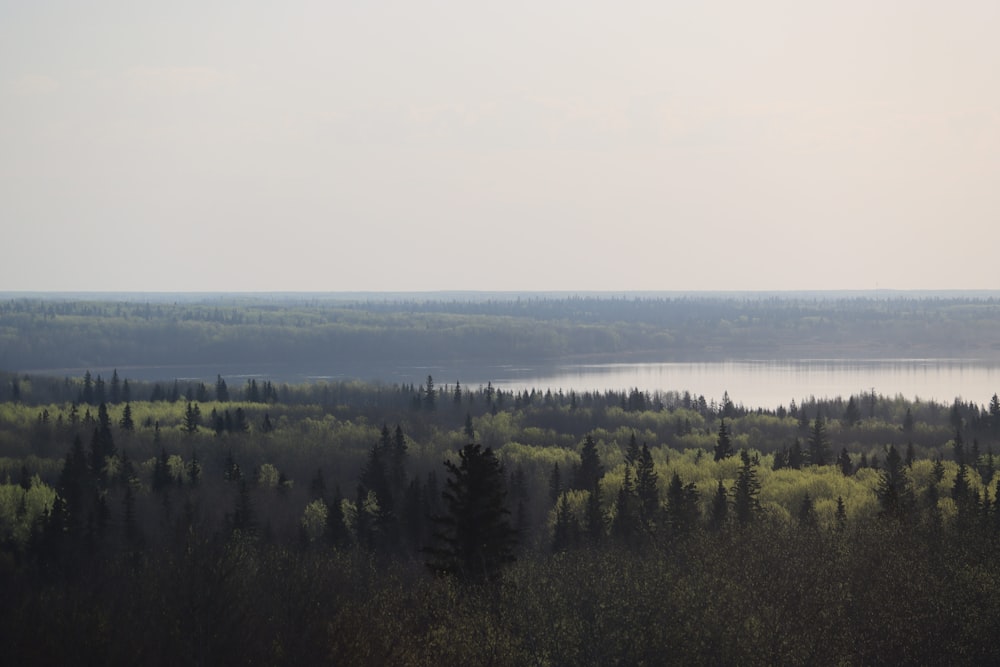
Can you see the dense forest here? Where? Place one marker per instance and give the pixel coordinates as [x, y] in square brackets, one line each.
[191, 522]
[330, 336]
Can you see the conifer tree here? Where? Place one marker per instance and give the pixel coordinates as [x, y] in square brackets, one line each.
[719, 515]
[844, 463]
[591, 470]
[555, 483]
[625, 524]
[566, 530]
[595, 521]
[818, 446]
[893, 492]
[807, 513]
[682, 505]
[127, 423]
[723, 443]
[746, 491]
[646, 489]
[474, 538]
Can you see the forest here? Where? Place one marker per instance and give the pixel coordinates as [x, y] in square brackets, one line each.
[356, 334]
[193, 522]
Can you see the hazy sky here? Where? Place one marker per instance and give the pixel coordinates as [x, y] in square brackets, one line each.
[424, 145]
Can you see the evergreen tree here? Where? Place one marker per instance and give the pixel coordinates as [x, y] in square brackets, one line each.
[567, 528]
[908, 422]
[625, 524]
[221, 390]
[632, 452]
[719, 515]
[646, 490]
[430, 395]
[723, 443]
[596, 523]
[807, 513]
[591, 470]
[818, 446]
[780, 459]
[127, 423]
[852, 415]
[116, 388]
[682, 505]
[194, 469]
[841, 514]
[893, 492]
[192, 418]
[796, 458]
[844, 462]
[746, 491]
[474, 538]
[995, 415]
[555, 483]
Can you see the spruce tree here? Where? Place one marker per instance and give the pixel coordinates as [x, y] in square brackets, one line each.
[567, 528]
[844, 463]
[893, 492]
[719, 515]
[746, 491]
[723, 443]
[646, 489]
[473, 538]
[591, 470]
[818, 446]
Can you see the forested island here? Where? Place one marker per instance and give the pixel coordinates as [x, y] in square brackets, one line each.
[189, 521]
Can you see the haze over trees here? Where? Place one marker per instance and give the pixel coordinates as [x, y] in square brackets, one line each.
[325, 334]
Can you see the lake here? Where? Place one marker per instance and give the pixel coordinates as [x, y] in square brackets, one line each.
[754, 383]
[772, 383]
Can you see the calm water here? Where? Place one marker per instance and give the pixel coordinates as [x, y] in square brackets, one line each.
[752, 383]
[773, 383]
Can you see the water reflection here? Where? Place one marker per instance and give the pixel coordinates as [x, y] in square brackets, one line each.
[771, 383]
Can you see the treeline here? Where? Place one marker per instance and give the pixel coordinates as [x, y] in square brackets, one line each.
[306, 333]
[355, 523]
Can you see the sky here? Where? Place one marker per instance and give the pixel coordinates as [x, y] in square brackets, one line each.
[435, 145]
